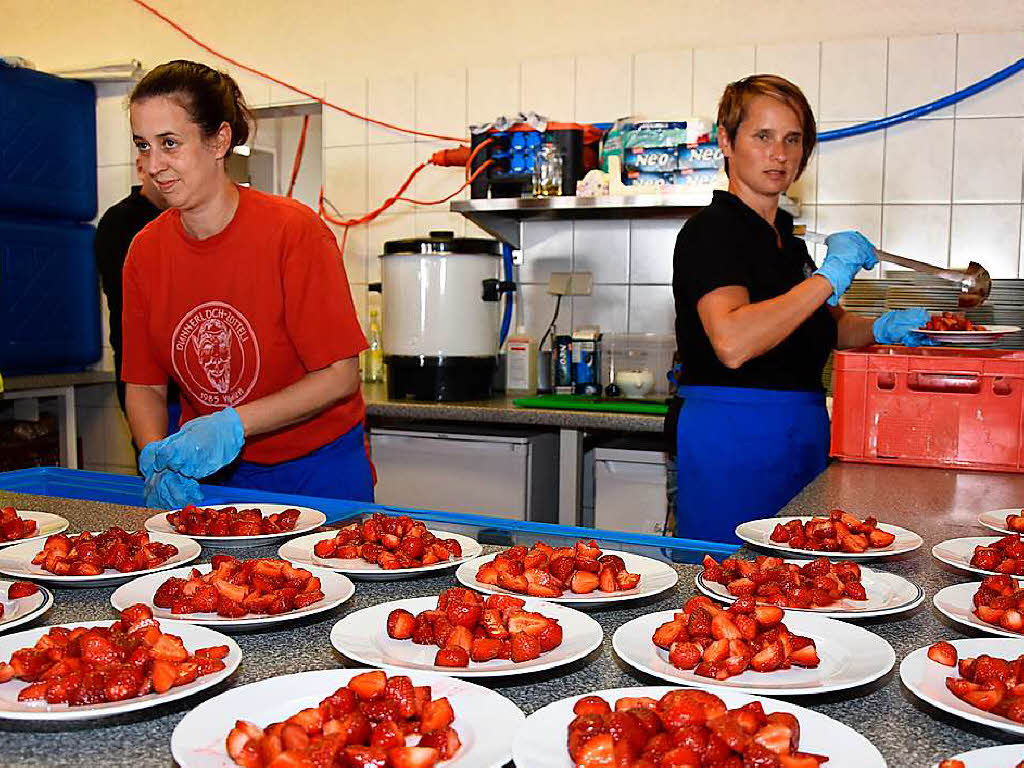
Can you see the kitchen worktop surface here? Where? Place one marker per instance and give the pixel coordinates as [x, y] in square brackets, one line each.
[500, 410]
[937, 504]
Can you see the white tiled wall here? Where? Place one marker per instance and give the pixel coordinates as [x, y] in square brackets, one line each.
[946, 188]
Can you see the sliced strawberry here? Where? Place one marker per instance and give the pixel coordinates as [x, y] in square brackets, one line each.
[626, 580]
[943, 653]
[606, 579]
[597, 752]
[878, 538]
[684, 655]
[436, 714]
[525, 647]
[668, 633]
[805, 657]
[369, 686]
[400, 624]
[550, 637]
[444, 740]
[22, 589]
[723, 628]
[583, 582]
[768, 615]
[485, 649]
[770, 657]
[413, 757]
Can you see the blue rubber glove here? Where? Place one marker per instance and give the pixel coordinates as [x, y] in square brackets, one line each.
[166, 489]
[899, 326]
[201, 446]
[848, 253]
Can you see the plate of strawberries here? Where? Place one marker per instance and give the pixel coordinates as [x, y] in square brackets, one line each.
[231, 593]
[996, 605]
[752, 647]
[21, 602]
[839, 590]
[1001, 756]
[667, 726]
[836, 535]
[237, 525]
[92, 559]
[350, 717]
[973, 678]
[96, 669]
[983, 554]
[582, 574]
[17, 525]
[463, 633]
[382, 548]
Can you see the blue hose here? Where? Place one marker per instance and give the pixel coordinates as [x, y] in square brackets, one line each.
[911, 114]
[506, 321]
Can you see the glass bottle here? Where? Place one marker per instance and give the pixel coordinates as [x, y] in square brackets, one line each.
[373, 370]
[547, 171]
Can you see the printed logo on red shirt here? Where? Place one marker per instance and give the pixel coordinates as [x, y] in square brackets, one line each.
[215, 354]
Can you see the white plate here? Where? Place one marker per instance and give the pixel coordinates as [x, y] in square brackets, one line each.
[887, 594]
[308, 520]
[957, 603]
[47, 524]
[926, 679]
[996, 519]
[192, 636]
[850, 656]
[759, 532]
[541, 742]
[336, 588]
[990, 335]
[23, 609]
[958, 552]
[363, 636]
[655, 577]
[17, 561]
[1003, 756]
[485, 721]
[300, 551]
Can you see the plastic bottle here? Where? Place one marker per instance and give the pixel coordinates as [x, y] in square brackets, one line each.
[373, 370]
[521, 363]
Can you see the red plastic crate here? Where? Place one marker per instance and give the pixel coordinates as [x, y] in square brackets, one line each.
[931, 407]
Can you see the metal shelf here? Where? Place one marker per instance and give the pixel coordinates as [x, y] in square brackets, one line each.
[502, 216]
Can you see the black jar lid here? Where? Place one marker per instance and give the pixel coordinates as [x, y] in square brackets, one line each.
[442, 242]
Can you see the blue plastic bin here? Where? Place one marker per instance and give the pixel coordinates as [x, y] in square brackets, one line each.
[49, 297]
[47, 145]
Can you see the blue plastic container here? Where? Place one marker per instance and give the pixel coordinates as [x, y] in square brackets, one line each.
[49, 297]
[47, 145]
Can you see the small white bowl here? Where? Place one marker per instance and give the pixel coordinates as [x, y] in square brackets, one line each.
[635, 383]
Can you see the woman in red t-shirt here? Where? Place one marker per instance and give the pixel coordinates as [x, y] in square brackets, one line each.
[241, 298]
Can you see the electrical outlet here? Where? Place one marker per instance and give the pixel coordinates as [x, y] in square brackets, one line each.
[571, 283]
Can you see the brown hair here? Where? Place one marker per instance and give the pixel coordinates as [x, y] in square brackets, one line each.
[733, 108]
[211, 98]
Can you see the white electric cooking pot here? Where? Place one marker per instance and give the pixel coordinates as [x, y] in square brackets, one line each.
[441, 300]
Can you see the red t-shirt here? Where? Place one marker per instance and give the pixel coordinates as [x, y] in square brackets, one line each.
[241, 315]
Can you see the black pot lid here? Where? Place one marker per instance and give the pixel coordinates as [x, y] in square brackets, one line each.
[441, 242]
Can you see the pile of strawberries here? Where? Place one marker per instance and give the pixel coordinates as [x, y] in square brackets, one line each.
[721, 643]
[1003, 556]
[130, 658]
[545, 571]
[950, 321]
[684, 729]
[19, 589]
[235, 588]
[390, 542]
[1015, 522]
[839, 532]
[90, 554]
[986, 682]
[772, 580]
[364, 724]
[229, 521]
[465, 626]
[1000, 601]
[13, 527]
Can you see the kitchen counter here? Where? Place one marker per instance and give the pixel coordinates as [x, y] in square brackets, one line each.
[938, 504]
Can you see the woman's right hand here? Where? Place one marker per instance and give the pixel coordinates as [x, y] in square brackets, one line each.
[848, 253]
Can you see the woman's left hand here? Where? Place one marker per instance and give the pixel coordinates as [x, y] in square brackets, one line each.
[900, 326]
[200, 447]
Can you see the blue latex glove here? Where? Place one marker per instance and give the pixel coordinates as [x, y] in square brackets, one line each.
[899, 326]
[166, 489]
[201, 446]
[848, 253]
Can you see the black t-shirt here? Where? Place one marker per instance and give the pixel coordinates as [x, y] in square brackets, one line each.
[728, 243]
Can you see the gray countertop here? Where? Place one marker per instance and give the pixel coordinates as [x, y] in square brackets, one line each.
[499, 410]
[938, 504]
[47, 380]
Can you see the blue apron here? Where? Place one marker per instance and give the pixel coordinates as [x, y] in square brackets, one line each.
[743, 454]
[338, 470]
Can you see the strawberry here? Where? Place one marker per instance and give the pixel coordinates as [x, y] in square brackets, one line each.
[513, 583]
[462, 614]
[444, 740]
[768, 615]
[503, 602]
[716, 651]
[369, 686]
[22, 589]
[491, 621]
[1012, 620]
[562, 568]
[801, 760]
[699, 623]
[527, 621]
[453, 656]
[583, 582]
[487, 574]
[627, 581]
[459, 637]
[485, 649]
[684, 655]
[525, 647]
[598, 752]
[943, 653]
[668, 633]
[606, 579]
[436, 714]
[805, 657]
[722, 627]
[550, 637]
[164, 674]
[768, 658]
[591, 705]
[880, 539]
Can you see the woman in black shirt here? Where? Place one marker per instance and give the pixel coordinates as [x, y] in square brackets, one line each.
[756, 322]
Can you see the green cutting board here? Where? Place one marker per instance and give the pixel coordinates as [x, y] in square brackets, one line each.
[586, 403]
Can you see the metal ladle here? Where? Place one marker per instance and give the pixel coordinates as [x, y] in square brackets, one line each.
[974, 281]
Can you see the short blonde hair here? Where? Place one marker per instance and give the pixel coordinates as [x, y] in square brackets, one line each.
[732, 108]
